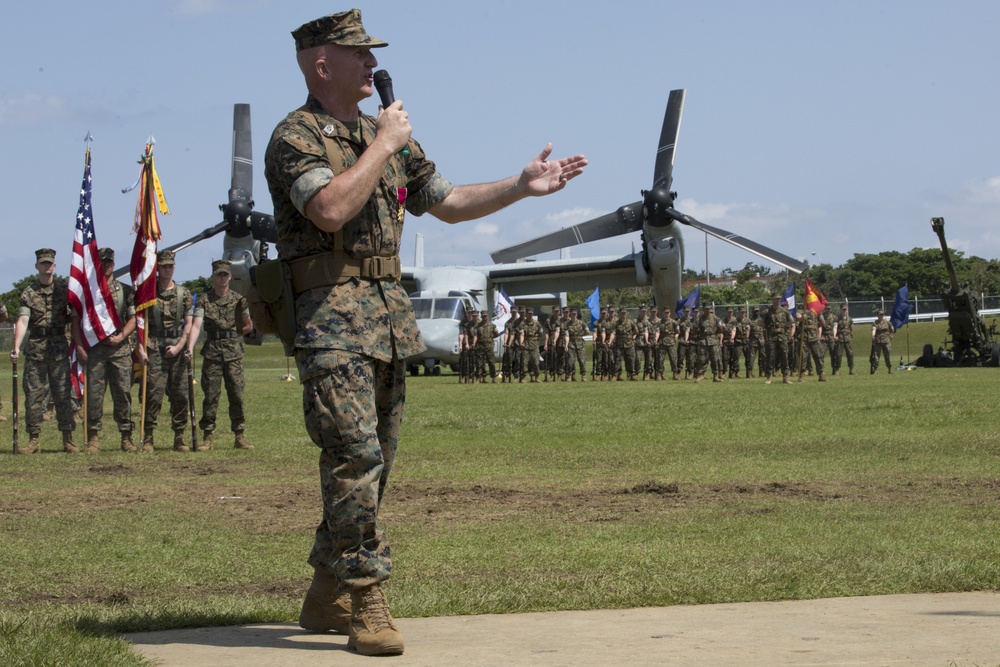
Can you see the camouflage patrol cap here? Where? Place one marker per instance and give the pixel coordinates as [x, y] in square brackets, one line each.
[106, 254]
[775, 295]
[343, 29]
[222, 266]
[45, 255]
[756, 310]
[483, 313]
[165, 258]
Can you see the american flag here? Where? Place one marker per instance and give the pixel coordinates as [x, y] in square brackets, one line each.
[88, 288]
[77, 373]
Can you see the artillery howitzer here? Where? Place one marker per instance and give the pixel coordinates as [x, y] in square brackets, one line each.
[972, 342]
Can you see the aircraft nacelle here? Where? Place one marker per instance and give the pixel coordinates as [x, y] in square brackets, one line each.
[242, 252]
[661, 263]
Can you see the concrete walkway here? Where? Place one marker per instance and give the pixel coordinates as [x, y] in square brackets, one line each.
[940, 630]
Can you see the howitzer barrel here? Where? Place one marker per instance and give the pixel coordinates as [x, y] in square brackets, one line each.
[937, 224]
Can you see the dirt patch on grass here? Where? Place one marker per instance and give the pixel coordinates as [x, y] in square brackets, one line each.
[285, 506]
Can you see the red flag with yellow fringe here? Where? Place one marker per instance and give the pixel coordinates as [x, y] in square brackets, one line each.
[815, 301]
[146, 228]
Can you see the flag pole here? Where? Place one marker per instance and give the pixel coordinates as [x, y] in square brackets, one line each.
[89, 139]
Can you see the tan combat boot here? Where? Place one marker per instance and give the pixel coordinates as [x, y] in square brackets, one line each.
[323, 610]
[822, 377]
[33, 446]
[784, 379]
[68, 446]
[147, 443]
[241, 442]
[206, 441]
[373, 631]
[127, 445]
[179, 445]
[93, 442]
[3, 418]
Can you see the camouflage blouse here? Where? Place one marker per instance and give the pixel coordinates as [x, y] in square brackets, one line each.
[223, 314]
[369, 317]
[164, 314]
[48, 311]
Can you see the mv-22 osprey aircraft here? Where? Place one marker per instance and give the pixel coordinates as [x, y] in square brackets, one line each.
[439, 295]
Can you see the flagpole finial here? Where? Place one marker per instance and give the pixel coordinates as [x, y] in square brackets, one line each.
[89, 139]
[151, 141]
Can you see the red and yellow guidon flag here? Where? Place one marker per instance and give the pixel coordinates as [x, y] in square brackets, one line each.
[815, 301]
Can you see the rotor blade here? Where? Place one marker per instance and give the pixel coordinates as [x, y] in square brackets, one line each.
[740, 242]
[626, 219]
[242, 181]
[663, 171]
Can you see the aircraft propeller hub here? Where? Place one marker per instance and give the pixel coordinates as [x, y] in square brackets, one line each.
[655, 205]
[237, 214]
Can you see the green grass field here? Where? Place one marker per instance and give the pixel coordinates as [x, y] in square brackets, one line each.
[509, 498]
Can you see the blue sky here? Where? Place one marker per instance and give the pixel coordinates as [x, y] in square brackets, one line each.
[820, 129]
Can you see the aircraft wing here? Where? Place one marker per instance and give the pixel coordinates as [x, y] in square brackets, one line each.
[564, 275]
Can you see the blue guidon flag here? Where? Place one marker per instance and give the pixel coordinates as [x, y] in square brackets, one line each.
[692, 300]
[901, 308]
[594, 304]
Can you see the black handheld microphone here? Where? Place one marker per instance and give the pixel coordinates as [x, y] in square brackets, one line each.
[383, 84]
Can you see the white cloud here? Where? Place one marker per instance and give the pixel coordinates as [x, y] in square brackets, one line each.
[486, 229]
[28, 108]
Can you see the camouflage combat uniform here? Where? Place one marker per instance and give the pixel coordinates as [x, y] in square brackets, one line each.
[168, 375]
[778, 322]
[531, 335]
[666, 346]
[46, 363]
[812, 341]
[643, 346]
[709, 346]
[845, 342]
[352, 337]
[110, 367]
[881, 342]
[222, 358]
[576, 347]
[757, 349]
[624, 330]
[485, 336]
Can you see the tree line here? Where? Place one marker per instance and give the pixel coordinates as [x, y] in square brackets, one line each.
[863, 277]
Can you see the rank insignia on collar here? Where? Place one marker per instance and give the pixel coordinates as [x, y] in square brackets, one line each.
[329, 130]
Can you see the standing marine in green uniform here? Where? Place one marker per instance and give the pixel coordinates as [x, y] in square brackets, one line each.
[109, 363]
[44, 316]
[225, 319]
[169, 327]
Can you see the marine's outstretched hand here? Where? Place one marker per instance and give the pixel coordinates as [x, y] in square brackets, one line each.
[542, 176]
